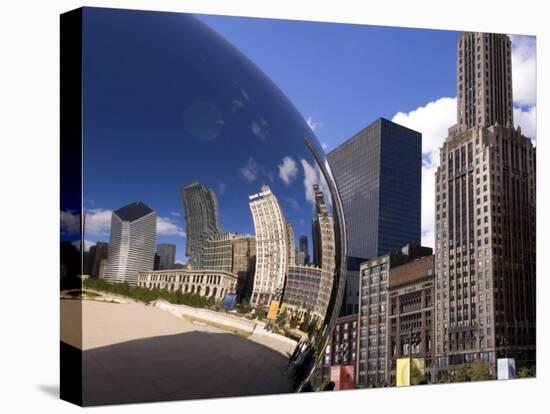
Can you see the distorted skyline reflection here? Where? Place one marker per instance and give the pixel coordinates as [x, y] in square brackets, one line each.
[179, 121]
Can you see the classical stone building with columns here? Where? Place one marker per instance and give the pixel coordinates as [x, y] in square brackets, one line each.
[206, 283]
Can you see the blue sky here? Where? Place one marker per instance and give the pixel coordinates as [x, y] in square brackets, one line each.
[340, 77]
[345, 76]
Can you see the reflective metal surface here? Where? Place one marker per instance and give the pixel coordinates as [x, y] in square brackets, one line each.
[208, 133]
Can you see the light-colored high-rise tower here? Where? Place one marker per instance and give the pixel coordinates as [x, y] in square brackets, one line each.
[484, 80]
[132, 244]
[484, 218]
[271, 247]
[324, 251]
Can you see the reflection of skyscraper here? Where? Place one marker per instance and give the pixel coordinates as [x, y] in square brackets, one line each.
[324, 248]
[303, 258]
[291, 244]
[133, 243]
[216, 253]
[271, 246]
[302, 289]
[244, 261]
[97, 253]
[201, 216]
[485, 218]
[167, 256]
[378, 175]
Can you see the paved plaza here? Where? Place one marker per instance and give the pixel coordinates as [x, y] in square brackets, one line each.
[135, 353]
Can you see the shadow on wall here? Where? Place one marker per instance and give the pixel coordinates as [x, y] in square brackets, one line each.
[181, 367]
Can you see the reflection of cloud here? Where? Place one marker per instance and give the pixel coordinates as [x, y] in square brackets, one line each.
[87, 244]
[250, 170]
[324, 145]
[259, 128]
[236, 105]
[70, 222]
[221, 188]
[294, 204]
[314, 125]
[313, 175]
[167, 226]
[245, 95]
[288, 170]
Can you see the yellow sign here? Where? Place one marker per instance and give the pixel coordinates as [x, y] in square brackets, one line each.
[273, 309]
[403, 372]
[407, 370]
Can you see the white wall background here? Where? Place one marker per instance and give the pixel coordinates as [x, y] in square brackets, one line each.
[29, 158]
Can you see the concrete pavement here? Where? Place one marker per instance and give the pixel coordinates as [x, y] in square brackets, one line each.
[136, 353]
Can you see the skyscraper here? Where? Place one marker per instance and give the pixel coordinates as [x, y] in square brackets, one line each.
[244, 261]
[484, 80]
[167, 256]
[216, 253]
[378, 175]
[303, 252]
[291, 245]
[132, 244]
[324, 248]
[97, 253]
[271, 247]
[485, 218]
[201, 216]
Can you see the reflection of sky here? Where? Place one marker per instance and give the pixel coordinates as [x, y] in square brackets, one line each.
[167, 102]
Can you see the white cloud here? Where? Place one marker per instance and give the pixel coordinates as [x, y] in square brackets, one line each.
[167, 226]
[428, 202]
[98, 221]
[313, 175]
[221, 188]
[250, 170]
[245, 95]
[87, 244]
[527, 121]
[524, 70]
[288, 170]
[314, 125]
[259, 128]
[175, 214]
[432, 120]
[324, 145]
[524, 83]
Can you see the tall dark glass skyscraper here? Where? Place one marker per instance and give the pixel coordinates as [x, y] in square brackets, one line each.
[378, 172]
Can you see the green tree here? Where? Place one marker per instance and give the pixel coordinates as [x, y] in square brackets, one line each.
[480, 371]
[417, 377]
[524, 372]
[475, 371]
